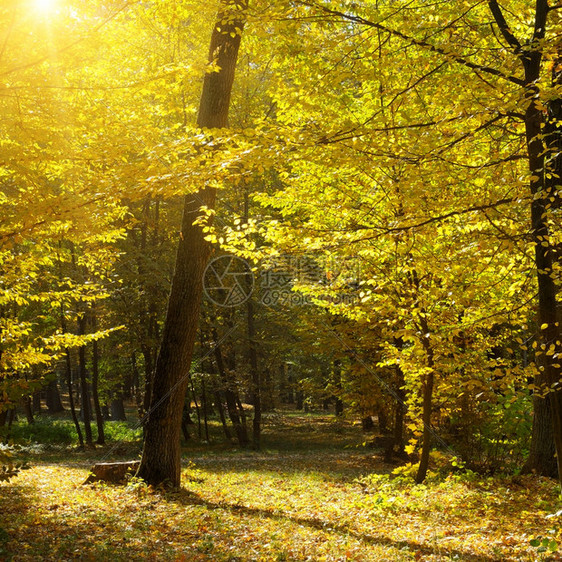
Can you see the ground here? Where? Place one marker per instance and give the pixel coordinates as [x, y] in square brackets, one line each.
[314, 493]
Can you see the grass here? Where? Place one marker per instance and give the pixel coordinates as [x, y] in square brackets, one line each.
[57, 430]
[312, 494]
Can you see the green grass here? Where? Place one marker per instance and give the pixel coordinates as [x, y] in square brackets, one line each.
[56, 430]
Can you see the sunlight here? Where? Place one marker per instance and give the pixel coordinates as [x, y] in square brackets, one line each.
[45, 6]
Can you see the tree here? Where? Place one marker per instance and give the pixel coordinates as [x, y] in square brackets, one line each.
[161, 450]
[418, 176]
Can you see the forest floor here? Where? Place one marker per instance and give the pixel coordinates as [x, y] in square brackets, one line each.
[314, 493]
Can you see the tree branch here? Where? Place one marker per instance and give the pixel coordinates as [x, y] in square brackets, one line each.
[419, 42]
[541, 13]
[504, 27]
[439, 218]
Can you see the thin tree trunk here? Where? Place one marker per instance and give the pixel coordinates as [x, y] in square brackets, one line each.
[185, 421]
[337, 384]
[231, 397]
[197, 412]
[95, 394]
[11, 417]
[161, 451]
[71, 403]
[427, 403]
[399, 410]
[84, 387]
[138, 393]
[543, 191]
[252, 353]
[68, 366]
[220, 408]
[205, 409]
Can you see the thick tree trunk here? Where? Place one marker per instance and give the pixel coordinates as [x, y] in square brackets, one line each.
[542, 459]
[118, 409]
[544, 188]
[161, 451]
[36, 400]
[27, 409]
[52, 398]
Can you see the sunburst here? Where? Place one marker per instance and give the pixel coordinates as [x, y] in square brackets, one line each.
[45, 6]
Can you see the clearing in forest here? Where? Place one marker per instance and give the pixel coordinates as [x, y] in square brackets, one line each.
[313, 493]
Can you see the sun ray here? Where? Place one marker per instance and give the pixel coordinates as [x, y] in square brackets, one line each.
[45, 7]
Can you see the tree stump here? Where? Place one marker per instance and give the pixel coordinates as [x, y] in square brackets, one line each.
[112, 472]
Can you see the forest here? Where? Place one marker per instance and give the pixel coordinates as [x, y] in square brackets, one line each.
[280, 280]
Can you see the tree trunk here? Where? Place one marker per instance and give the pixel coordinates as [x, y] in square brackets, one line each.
[220, 408]
[197, 411]
[52, 398]
[148, 376]
[136, 382]
[252, 353]
[427, 403]
[27, 409]
[542, 459]
[231, 397]
[84, 387]
[544, 187]
[337, 384]
[185, 421]
[399, 410]
[68, 364]
[12, 417]
[36, 401]
[95, 381]
[161, 450]
[117, 409]
[205, 407]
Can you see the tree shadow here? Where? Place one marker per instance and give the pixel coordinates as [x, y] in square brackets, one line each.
[187, 498]
[337, 466]
[16, 508]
